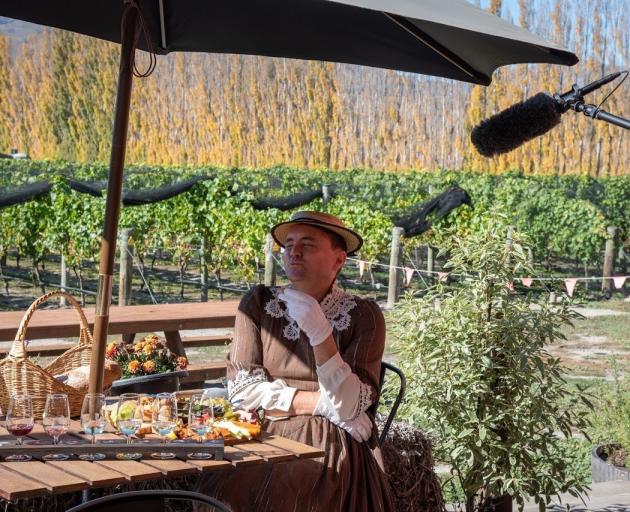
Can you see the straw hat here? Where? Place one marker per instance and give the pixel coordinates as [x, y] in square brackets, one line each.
[319, 220]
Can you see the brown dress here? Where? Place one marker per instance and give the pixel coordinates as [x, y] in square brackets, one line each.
[267, 344]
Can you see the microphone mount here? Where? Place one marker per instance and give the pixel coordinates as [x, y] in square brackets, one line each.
[574, 100]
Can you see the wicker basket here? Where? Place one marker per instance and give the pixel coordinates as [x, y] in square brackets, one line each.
[18, 374]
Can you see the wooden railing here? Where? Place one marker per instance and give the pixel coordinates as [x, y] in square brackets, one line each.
[129, 321]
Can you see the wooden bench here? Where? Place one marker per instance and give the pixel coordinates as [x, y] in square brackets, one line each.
[130, 320]
[127, 320]
[55, 349]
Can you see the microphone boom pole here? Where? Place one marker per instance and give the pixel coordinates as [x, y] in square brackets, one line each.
[574, 100]
[593, 112]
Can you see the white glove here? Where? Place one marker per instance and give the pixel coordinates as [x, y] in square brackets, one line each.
[359, 428]
[308, 314]
[325, 408]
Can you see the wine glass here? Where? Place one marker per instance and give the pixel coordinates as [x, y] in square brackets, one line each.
[19, 422]
[200, 420]
[56, 421]
[129, 420]
[93, 421]
[164, 420]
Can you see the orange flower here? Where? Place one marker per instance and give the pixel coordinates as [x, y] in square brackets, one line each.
[148, 366]
[152, 339]
[111, 351]
[137, 347]
[134, 366]
[182, 362]
[148, 348]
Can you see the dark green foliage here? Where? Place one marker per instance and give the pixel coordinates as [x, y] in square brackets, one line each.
[480, 380]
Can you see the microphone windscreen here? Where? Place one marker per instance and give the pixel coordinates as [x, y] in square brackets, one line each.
[516, 125]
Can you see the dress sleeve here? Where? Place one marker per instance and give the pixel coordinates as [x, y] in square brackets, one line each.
[349, 380]
[365, 352]
[248, 383]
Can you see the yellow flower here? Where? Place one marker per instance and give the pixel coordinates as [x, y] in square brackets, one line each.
[148, 348]
[133, 366]
[152, 339]
[148, 366]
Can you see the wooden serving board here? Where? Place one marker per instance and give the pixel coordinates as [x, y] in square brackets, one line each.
[111, 449]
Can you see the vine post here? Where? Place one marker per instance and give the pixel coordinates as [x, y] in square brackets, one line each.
[609, 261]
[126, 267]
[430, 260]
[64, 280]
[326, 194]
[508, 242]
[395, 275]
[203, 267]
[270, 262]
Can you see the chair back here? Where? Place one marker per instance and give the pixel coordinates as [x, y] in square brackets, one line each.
[153, 500]
[385, 367]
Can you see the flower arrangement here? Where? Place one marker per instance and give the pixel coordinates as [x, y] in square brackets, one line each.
[145, 357]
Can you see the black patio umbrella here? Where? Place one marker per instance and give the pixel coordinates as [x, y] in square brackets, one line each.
[447, 38]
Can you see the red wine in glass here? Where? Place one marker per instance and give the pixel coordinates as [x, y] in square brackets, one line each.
[19, 422]
[20, 430]
[56, 420]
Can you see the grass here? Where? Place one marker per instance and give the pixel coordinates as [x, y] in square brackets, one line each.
[594, 341]
[613, 327]
[616, 304]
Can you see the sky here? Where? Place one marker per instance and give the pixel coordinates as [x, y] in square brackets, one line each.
[510, 6]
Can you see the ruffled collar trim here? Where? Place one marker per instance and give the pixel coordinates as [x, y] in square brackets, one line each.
[336, 306]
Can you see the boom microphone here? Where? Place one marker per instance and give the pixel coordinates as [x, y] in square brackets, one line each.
[516, 125]
[528, 119]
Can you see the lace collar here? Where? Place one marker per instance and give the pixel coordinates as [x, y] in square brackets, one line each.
[336, 306]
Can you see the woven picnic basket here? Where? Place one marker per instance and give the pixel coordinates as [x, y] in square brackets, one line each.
[18, 374]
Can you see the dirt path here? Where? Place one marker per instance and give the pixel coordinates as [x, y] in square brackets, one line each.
[595, 341]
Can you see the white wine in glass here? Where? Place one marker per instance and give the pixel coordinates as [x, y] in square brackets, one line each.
[93, 421]
[164, 421]
[129, 421]
[200, 421]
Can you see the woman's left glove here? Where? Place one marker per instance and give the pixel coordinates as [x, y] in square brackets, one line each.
[360, 428]
[308, 314]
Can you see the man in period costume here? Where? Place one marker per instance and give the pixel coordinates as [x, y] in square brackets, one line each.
[309, 354]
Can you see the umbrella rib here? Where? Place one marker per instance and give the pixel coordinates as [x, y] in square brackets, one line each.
[162, 24]
[437, 48]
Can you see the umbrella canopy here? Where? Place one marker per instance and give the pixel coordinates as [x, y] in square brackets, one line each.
[447, 38]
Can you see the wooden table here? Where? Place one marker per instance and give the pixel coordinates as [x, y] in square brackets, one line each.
[38, 478]
[126, 320]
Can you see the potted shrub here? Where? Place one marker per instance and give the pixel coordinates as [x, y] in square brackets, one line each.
[148, 366]
[480, 381]
[610, 459]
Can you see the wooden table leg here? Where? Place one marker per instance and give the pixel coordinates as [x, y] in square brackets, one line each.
[128, 337]
[174, 342]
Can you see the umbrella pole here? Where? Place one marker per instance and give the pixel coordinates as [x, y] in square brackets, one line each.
[114, 194]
